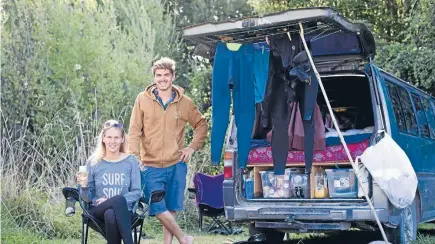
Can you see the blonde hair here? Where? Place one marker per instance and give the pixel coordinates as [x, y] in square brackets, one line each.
[164, 63]
[100, 150]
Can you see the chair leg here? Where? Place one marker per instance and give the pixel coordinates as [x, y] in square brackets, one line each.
[213, 224]
[230, 225]
[135, 235]
[87, 231]
[218, 222]
[200, 219]
[83, 231]
[140, 233]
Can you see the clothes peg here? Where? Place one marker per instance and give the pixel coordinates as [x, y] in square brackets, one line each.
[234, 46]
[289, 36]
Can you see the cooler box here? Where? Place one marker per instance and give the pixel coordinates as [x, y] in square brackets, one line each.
[342, 183]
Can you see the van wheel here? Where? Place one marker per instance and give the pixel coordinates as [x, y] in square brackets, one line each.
[272, 236]
[406, 231]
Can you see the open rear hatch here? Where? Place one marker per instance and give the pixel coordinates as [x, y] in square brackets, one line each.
[334, 42]
[331, 36]
[350, 99]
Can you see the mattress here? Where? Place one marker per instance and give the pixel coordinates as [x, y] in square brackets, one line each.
[331, 154]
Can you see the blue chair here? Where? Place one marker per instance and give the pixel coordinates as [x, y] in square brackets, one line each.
[72, 196]
[209, 200]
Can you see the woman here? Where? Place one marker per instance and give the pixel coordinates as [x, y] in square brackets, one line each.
[112, 184]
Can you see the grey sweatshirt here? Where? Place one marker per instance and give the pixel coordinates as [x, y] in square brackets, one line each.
[108, 179]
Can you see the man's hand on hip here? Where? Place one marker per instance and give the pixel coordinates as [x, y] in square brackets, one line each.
[186, 154]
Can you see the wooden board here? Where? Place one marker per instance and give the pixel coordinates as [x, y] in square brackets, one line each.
[329, 163]
[258, 188]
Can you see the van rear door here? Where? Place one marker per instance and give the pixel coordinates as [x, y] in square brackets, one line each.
[332, 37]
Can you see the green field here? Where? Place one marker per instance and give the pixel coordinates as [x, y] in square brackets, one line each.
[426, 236]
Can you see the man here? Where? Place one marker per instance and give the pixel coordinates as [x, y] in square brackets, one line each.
[157, 124]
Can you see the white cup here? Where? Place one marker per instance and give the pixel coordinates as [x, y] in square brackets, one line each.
[83, 171]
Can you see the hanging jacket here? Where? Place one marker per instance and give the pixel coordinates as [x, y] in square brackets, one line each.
[296, 129]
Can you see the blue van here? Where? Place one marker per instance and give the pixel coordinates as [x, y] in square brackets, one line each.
[369, 98]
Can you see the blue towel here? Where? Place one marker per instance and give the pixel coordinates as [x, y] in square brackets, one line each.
[259, 143]
[332, 141]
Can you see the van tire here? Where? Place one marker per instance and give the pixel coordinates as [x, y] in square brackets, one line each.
[272, 236]
[406, 231]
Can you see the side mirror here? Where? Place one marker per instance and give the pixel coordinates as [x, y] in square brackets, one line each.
[157, 196]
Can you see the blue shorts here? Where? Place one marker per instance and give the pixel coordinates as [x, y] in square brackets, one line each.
[171, 179]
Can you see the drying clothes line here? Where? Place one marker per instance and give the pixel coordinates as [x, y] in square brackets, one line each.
[354, 166]
[319, 31]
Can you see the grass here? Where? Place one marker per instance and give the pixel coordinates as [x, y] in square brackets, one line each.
[32, 176]
[32, 205]
[13, 234]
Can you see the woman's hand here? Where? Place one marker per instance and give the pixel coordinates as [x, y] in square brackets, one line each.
[100, 200]
[82, 180]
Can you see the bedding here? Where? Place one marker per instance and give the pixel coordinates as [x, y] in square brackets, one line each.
[335, 153]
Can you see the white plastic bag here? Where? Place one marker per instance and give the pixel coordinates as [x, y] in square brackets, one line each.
[363, 184]
[392, 171]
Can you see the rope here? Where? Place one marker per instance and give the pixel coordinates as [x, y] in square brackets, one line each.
[354, 166]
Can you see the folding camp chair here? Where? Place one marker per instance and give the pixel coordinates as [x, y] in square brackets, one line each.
[209, 200]
[72, 196]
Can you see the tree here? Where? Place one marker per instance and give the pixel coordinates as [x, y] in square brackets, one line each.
[404, 31]
[68, 65]
[413, 57]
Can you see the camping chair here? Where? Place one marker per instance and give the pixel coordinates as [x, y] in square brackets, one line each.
[72, 196]
[209, 200]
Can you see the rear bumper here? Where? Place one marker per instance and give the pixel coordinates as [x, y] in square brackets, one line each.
[330, 215]
[334, 214]
[303, 227]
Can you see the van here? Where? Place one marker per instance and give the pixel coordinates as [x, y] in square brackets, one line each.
[369, 98]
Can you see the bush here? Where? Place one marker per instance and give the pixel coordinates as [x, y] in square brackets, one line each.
[67, 66]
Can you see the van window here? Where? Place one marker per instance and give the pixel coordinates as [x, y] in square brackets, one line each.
[430, 115]
[421, 115]
[408, 111]
[394, 96]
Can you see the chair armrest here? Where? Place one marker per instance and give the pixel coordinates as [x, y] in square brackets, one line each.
[72, 195]
[142, 207]
[69, 192]
[192, 193]
[142, 200]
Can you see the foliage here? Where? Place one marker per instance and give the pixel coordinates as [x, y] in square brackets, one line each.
[68, 65]
[63, 60]
[413, 57]
[191, 12]
[404, 32]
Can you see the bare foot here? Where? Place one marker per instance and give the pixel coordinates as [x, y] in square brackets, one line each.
[188, 240]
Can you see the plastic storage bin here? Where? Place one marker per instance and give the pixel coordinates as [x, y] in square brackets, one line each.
[249, 188]
[342, 183]
[298, 183]
[274, 187]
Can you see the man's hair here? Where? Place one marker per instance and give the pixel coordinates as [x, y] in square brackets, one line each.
[164, 63]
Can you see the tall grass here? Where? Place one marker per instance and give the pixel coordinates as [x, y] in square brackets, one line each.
[33, 178]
